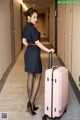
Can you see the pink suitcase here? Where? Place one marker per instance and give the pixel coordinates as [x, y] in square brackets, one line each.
[56, 92]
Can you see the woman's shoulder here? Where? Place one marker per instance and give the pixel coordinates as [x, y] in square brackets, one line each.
[34, 30]
[31, 27]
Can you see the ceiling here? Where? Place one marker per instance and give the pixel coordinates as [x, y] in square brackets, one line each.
[40, 5]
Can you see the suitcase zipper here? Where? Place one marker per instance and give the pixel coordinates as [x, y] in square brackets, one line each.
[52, 95]
[52, 92]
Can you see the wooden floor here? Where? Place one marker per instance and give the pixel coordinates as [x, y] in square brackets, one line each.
[13, 96]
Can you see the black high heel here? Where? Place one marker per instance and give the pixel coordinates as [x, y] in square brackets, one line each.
[35, 108]
[29, 108]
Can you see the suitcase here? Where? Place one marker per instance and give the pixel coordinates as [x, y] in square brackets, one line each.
[56, 91]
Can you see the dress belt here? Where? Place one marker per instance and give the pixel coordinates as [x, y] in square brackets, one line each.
[32, 44]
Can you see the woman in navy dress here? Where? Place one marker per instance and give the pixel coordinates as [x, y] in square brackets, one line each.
[32, 59]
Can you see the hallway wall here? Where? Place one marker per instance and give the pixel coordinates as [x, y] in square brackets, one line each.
[41, 24]
[52, 24]
[69, 38]
[23, 18]
[46, 29]
[5, 36]
[17, 26]
[76, 44]
[61, 28]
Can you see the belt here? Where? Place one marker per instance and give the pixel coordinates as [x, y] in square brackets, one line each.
[31, 44]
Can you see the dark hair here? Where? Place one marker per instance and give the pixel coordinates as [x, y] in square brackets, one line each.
[30, 12]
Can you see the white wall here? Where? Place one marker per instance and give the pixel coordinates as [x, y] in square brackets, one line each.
[5, 36]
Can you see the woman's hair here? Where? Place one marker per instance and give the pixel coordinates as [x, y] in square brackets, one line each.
[30, 12]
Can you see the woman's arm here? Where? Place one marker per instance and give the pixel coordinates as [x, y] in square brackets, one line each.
[24, 41]
[43, 47]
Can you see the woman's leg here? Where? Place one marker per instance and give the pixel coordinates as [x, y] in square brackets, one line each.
[36, 85]
[30, 85]
[30, 92]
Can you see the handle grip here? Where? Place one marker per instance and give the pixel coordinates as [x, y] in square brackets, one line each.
[50, 60]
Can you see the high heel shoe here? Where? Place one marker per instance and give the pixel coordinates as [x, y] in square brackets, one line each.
[29, 108]
[35, 108]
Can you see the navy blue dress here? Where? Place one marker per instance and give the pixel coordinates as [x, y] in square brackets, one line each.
[32, 57]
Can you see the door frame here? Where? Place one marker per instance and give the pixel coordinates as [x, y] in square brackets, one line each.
[56, 24]
[12, 31]
[21, 14]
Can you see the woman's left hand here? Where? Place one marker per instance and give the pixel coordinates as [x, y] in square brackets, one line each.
[52, 50]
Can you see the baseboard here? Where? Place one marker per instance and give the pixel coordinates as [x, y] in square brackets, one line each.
[73, 84]
[2, 81]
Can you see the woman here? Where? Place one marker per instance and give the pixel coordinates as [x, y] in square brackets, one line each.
[32, 58]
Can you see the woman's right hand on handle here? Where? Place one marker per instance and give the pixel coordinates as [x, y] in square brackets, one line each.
[40, 45]
[51, 50]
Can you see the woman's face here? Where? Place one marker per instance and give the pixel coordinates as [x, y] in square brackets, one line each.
[33, 18]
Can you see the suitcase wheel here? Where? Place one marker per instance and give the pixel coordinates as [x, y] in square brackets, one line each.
[44, 117]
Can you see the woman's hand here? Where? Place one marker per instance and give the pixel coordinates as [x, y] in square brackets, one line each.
[51, 50]
[43, 47]
[24, 41]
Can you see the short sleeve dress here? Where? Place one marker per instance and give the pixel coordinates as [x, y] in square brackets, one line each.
[32, 57]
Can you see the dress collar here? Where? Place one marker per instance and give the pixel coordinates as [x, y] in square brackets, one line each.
[29, 23]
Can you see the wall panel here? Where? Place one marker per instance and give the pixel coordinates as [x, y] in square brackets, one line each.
[17, 26]
[76, 44]
[68, 37]
[5, 36]
[52, 24]
[61, 31]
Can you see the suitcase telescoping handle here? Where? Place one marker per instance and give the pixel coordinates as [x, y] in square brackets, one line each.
[50, 60]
